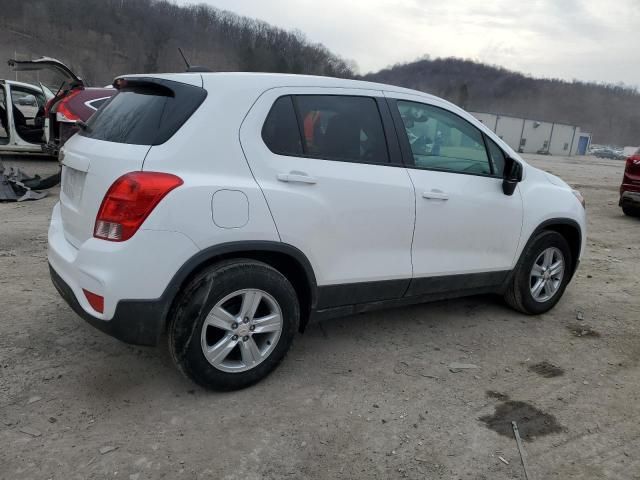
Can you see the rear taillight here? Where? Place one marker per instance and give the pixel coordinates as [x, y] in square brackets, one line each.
[129, 201]
[63, 112]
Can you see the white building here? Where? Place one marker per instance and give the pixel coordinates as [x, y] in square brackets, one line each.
[533, 136]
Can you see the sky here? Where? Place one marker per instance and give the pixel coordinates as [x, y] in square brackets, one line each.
[590, 40]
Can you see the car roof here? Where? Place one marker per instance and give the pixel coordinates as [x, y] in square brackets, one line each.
[274, 80]
[260, 82]
[21, 84]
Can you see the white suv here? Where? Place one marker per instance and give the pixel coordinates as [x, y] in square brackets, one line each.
[229, 209]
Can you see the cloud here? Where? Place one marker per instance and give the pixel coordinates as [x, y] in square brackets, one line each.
[562, 39]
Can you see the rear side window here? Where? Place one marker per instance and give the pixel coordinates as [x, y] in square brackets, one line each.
[329, 127]
[280, 131]
[145, 112]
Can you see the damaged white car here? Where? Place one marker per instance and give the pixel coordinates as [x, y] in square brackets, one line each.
[22, 119]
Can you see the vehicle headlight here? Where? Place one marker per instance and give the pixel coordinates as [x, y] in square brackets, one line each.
[580, 198]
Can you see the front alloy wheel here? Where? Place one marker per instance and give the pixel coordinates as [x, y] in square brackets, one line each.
[546, 274]
[541, 275]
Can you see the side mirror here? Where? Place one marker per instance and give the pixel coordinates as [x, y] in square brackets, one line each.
[512, 175]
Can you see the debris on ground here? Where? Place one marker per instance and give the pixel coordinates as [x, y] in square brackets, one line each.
[456, 367]
[106, 449]
[30, 431]
[580, 316]
[583, 331]
[17, 186]
[404, 368]
[523, 459]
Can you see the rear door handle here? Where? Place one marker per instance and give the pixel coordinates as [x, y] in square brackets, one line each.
[435, 195]
[296, 177]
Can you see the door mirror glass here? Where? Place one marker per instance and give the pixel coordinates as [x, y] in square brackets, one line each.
[512, 175]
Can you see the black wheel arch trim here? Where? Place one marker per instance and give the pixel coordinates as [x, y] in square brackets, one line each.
[237, 249]
[559, 221]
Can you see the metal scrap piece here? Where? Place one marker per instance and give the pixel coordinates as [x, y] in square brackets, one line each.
[516, 434]
[6, 190]
[32, 195]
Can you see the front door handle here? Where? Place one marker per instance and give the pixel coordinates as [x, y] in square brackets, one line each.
[435, 195]
[296, 177]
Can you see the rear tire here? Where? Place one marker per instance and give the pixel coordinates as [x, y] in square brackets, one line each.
[630, 211]
[536, 286]
[251, 313]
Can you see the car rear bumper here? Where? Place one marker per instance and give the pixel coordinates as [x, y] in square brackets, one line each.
[132, 277]
[139, 322]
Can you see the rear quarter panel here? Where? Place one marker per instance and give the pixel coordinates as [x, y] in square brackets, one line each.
[207, 155]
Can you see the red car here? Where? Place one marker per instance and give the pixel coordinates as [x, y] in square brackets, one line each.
[73, 101]
[630, 188]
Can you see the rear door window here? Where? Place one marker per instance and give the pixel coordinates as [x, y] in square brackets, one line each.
[340, 127]
[329, 127]
[145, 112]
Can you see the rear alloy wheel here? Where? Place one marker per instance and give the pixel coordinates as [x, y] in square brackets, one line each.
[241, 330]
[233, 324]
[542, 274]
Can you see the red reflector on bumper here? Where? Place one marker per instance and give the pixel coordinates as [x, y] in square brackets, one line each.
[96, 301]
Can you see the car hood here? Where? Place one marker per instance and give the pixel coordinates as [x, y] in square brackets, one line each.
[46, 63]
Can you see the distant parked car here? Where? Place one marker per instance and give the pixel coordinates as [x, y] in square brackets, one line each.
[73, 102]
[610, 153]
[630, 188]
[28, 100]
[228, 209]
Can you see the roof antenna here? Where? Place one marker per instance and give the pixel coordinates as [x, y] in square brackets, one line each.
[184, 58]
[194, 68]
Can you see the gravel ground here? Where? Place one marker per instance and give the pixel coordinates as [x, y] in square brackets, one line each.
[370, 396]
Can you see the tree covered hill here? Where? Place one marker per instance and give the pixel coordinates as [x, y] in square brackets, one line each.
[610, 112]
[100, 39]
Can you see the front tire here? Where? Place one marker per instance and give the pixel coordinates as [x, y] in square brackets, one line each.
[233, 324]
[542, 274]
